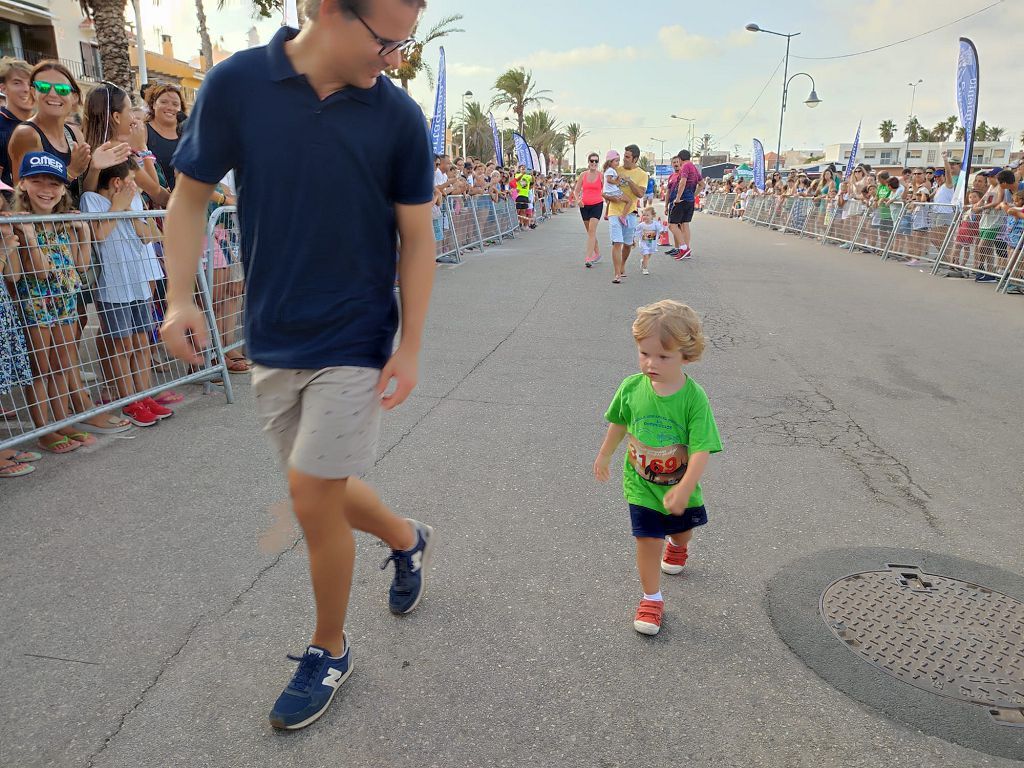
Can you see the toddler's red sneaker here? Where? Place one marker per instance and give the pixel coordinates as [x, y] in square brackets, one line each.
[648, 617]
[674, 558]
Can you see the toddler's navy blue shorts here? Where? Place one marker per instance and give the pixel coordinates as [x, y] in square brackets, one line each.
[652, 524]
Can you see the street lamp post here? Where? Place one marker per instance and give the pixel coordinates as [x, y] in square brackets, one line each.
[913, 95]
[689, 140]
[811, 101]
[470, 95]
[662, 142]
[140, 46]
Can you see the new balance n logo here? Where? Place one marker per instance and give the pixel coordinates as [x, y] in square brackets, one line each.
[417, 561]
[333, 678]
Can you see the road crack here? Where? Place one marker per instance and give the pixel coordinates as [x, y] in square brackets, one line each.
[166, 665]
[813, 419]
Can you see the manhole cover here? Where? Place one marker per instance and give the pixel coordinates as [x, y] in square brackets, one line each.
[939, 634]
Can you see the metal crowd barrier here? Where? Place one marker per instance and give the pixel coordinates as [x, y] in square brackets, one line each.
[758, 207]
[1015, 274]
[920, 232]
[720, 203]
[79, 333]
[444, 236]
[951, 241]
[983, 244]
[471, 222]
[222, 256]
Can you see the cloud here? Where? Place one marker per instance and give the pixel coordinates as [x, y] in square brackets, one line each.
[680, 44]
[578, 57]
[598, 117]
[469, 70]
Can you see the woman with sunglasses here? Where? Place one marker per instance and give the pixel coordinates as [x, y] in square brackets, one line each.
[48, 130]
[588, 196]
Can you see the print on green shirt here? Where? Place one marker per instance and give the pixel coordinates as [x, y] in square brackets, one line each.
[662, 434]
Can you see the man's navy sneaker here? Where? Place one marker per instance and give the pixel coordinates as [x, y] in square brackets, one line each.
[312, 688]
[409, 584]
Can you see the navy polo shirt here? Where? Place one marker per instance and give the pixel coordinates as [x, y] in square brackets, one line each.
[317, 184]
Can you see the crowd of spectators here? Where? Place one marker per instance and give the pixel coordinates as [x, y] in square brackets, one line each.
[65, 150]
[914, 207]
[535, 196]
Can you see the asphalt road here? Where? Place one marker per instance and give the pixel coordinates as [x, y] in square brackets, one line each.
[860, 404]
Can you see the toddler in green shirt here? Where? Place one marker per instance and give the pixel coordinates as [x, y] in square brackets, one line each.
[671, 434]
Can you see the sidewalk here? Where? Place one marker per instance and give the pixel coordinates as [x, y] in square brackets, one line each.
[859, 403]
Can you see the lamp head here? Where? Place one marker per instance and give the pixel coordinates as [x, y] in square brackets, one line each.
[752, 28]
[813, 100]
[468, 93]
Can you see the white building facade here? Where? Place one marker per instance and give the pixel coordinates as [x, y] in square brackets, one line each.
[899, 154]
[34, 30]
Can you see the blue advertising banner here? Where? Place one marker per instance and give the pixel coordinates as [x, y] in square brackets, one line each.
[499, 155]
[522, 150]
[759, 165]
[967, 104]
[438, 124]
[852, 162]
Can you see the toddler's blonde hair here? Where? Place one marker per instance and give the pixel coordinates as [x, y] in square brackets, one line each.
[675, 324]
[650, 209]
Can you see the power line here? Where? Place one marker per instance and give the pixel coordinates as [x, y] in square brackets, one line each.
[750, 109]
[900, 42]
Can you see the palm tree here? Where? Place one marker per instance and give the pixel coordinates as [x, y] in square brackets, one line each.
[943, 130]
[558, 149]
[950, 127]
[961, 133]
[704, 145]
[995, 133]
[517, 91]
[479, 139]
[205, 46]
[981, 131]
[913, 129]
[108, 16]
[412, 60]
[887, 130]
[573, 133]
[540, 130]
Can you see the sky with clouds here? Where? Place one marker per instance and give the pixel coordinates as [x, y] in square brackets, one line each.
[621, 76]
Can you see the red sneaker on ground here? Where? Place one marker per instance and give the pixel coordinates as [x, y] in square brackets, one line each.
[139, 415]
[648, 617]
[674, 558]
[160, 411]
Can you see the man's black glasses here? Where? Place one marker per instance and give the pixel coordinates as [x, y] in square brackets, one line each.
[387, 47]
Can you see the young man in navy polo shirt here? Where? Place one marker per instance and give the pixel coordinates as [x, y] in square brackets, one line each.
[290, 119]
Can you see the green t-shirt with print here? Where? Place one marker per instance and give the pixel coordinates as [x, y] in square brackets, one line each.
[884, 192]
[662, 433]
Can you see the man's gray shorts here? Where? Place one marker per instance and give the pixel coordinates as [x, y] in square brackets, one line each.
[324, 422]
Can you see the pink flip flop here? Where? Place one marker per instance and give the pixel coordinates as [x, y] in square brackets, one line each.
[170, 397]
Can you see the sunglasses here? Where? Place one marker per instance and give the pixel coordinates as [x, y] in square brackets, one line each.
[387, 47]
[61, 89]
[593, 160]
